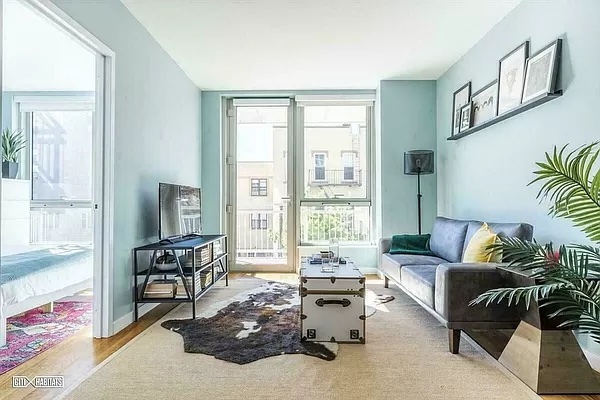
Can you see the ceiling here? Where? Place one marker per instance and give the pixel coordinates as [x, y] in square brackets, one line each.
[315, 44]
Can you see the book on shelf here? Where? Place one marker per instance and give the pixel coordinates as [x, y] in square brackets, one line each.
[159, 295]
[162, 283]
[161, 288]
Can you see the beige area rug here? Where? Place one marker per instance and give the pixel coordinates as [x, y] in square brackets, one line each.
[406, 357]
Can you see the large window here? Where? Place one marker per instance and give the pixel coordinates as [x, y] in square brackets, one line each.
[58, 163]
[61, 155]
[336, 198]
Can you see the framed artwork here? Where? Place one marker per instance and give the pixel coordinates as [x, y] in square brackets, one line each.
[459, 99]
[542, 71]
[485, 103]
[465, 117]
[511, 74]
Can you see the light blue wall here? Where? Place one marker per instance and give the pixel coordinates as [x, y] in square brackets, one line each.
[157, 129]
[485, 175]
[212, 174]
[408, 122]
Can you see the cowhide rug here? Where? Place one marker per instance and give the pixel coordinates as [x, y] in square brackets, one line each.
[256, 324]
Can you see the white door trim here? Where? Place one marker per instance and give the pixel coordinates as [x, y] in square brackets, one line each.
[103, 161]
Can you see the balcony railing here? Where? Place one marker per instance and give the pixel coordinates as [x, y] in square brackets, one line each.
[342, 223]
[335, 177]
[262, 235]
[61, 225]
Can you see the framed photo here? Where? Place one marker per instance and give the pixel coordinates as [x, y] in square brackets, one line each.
[460, 98]
[465, 117]
[542, 71]
[511, 74]
[485, 103]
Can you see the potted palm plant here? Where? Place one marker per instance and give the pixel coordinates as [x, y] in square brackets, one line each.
[12, 144]
[567, 279]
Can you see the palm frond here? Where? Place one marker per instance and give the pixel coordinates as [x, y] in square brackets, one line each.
[514, 295]
[578, 307]
[570, 186]
[567, 280]
[593, 254]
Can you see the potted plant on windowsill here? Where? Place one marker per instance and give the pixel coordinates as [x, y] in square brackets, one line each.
[12, 144]
[567, 280]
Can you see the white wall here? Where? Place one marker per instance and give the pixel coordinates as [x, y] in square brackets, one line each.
[38, 56]
[15, 213]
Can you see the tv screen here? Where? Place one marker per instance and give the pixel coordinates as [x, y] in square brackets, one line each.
[179, 210]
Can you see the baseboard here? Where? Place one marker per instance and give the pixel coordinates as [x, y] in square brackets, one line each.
[370, 271]
[129, 318]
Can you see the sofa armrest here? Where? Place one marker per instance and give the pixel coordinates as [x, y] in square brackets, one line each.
[456, 284]
[383, 247]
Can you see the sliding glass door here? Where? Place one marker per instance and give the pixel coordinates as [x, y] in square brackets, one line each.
[260, 191]
[299, 177]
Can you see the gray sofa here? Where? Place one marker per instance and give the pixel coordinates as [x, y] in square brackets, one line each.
[444, 286]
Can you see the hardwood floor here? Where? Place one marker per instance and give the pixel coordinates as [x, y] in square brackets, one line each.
[74, 358]
[77, 356]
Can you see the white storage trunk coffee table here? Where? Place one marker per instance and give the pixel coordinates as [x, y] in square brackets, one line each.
[332, 304]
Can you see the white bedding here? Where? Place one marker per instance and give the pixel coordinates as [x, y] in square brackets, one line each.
[45, 281]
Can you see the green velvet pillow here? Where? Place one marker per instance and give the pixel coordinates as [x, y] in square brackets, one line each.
[411, 244]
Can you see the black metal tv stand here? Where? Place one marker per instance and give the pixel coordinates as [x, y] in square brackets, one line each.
[216, 245]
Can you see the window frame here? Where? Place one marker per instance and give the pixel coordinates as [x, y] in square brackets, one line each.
[325, 155]
[259, 192]
[368, 164]
[24, 107]
[261, 224]
[354, 154]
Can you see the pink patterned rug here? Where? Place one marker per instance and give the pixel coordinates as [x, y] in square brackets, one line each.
[35, 331]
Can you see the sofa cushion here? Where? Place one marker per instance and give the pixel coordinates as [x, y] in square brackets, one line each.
[478, 251]
[392, 263]
[448, 238]
[522, 231]
[414, 259]
[419, 280]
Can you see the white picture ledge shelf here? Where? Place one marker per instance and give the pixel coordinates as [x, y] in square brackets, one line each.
[509, 114]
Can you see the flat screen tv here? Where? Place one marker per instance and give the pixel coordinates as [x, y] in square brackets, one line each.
[179, 211]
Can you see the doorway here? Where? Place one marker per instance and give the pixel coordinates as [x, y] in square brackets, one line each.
[260, 211]
[64, 183]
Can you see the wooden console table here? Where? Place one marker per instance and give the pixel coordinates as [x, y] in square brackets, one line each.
[546, 358]
[188, 264]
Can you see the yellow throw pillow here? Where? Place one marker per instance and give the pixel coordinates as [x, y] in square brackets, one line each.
[477, 249]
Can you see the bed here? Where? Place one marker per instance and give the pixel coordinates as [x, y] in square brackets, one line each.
[31, 277]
